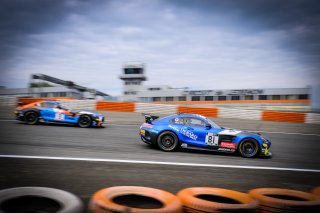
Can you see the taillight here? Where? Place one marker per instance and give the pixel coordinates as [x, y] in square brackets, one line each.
[145, 125]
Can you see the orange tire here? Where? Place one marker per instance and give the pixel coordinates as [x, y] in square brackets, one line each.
[103, 201]
[316, 191]
[205, 199]
[276, 200]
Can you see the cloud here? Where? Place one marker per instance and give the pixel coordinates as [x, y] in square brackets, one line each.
[200, 44]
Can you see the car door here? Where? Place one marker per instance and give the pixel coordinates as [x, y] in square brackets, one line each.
[47, 112]
[193, 131]
[52, 112]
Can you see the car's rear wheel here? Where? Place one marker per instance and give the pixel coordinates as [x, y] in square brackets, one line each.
[248, 148]
[85, 121]
[31, 117]
[168, 141]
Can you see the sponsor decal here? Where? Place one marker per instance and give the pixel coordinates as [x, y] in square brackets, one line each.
[184, 145]
[189, 134]
[229, 145]
[229, 132]
[225, 150]
[174, 127]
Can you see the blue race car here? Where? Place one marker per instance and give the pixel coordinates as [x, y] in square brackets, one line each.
[54, 112]
[198, 132]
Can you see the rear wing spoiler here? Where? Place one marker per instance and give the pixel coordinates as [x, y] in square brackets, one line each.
[150, 118]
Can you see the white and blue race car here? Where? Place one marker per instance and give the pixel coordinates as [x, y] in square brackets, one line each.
[198, 132]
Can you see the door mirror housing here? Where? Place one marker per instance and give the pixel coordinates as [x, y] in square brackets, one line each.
[208, 126]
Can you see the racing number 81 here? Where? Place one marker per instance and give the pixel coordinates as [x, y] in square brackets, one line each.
[211, 139]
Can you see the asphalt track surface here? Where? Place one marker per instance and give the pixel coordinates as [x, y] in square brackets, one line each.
[96, 158]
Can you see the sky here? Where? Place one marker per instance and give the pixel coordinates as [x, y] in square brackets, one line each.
[203, 44]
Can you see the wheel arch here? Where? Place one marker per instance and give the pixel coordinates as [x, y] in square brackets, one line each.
[31, 110]
[250, 138]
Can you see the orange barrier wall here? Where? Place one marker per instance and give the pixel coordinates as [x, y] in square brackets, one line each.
[115, 106]
[233, 102]
[210, 112]
[32, 100]
[283, 116]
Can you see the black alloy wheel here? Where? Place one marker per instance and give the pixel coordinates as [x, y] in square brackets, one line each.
[85, 121]
[168, 141]
[31, 117]
[248, 148]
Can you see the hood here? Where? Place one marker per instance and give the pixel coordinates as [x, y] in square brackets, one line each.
[86, 112]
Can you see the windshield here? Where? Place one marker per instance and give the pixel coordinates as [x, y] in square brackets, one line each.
[62, 106]
[213, 124]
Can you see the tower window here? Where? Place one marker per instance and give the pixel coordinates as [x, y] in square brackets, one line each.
[222, 98]
[195, 98]
[133, 71]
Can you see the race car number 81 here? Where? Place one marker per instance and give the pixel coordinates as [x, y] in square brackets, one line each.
[212, 139]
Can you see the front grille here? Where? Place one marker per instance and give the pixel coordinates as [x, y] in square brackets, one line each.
[226, 138]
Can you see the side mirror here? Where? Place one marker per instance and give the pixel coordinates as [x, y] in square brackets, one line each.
[208, 126]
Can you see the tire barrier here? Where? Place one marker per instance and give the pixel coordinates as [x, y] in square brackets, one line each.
[134, 199]
[295, 117]
[205, 199]
[205, 111]
[39, 199]
[316, 191]
[115, 106]
[285, 200]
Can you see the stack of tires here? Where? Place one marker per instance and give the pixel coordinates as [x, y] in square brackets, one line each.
[134, 199]
[39, 200]
[285, 200]
[205, 199]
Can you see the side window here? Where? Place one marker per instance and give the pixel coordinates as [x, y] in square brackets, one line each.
[177, 120]
[194, 122]
[48, 105]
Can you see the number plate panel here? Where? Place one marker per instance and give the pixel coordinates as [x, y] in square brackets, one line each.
[212, 139]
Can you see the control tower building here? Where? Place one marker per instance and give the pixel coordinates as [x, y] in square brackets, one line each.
[133, 76]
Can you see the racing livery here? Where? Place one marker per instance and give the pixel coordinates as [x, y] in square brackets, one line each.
[54, 112]
[198, 132]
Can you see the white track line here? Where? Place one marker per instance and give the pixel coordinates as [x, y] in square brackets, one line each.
[159, 163]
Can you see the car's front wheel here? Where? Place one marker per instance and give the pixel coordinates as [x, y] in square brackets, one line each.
[31, 117]
[85, 121]
[248, 148]
[168, 141]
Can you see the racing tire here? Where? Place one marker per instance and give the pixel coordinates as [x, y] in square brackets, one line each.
[206, 199]
[316, 191]
[248, 148]
[85, 121]
[285, 200]
[31, 117]
[134, 199]
[39, 199]
[168, 141]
